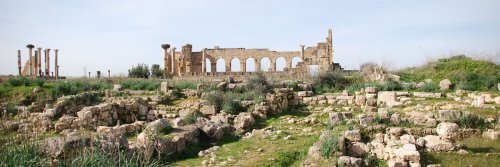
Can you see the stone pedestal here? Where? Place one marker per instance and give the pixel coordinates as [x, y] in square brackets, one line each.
[164, 87]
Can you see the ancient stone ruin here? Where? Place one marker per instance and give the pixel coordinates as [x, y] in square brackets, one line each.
[188, 62]
[33, 66]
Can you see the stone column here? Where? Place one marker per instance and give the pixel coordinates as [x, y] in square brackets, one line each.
[302, 52]
[288, 64]
[173, 62]
[19, 66]
[109, 74]
[330, 47]
[257, 65]
[273, 65]
[213, 66]
[35, 69]
[243, 66]
[56, 63]
[165, 56]
[30, 47]
[203, 61]
[39, 61]
[47, 53]
[228, 66]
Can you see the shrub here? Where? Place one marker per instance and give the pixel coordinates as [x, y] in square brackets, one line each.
[471, 121]
[232, 107]
[156, 72]
[215, 98]
[139, 71]
[286, 158]
[39, 82]
[429, 87]
[329, 146]
[136, 84]
[330, 82]
[15, 81]
[192, 117]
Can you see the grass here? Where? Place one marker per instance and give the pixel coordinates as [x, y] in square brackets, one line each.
[455, 159]
[463, 72]
[481, 145]
[276, 150]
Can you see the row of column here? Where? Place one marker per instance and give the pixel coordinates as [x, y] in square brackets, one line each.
[170, 61]
[35, 62]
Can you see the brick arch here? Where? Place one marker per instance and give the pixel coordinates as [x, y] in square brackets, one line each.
[252, 62]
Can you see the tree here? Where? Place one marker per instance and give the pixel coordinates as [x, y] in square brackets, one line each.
[156, 72]
[139, 71]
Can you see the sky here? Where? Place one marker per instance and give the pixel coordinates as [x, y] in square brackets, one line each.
[103, 35]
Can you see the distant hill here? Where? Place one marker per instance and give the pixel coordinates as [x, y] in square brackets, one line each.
[464, 73]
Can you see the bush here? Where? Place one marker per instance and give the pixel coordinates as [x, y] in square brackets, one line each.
[429, 87]
[258, 83]
[15, 81]
[232, 107]
[192, 117]
[139, 71]
[330, 82]
[216, 99]
[471, 121]
[39, 82]
[329, 146]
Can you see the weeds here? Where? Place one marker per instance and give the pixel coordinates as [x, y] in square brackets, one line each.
[192, 117]
[329, 146]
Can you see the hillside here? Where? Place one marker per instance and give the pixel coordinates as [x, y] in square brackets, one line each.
[464, 73]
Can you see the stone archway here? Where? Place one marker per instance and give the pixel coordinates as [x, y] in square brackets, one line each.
[250, 65]
[235, 65]
[280, 64]
[208, 65]
[295, 61]
[265, 64]
[220, 65]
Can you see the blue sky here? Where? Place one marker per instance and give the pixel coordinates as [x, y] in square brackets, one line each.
[104, 34]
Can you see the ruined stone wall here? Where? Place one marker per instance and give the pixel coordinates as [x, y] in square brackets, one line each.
[189, 63]
[74, 103]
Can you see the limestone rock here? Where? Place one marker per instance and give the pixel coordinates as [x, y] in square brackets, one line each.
[435, 143]
[448, 130]
[353, 135]
[358, 149]
[117, 87]
[445, 84]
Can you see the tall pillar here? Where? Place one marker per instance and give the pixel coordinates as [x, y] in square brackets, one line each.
[257, 65]
[39, 61]
[273, 65]
[19, 66]
[288, 64]
[47, 54]
[203, 61]
[228, 66]
[56, 63]
[31, 64]
[243, 66]
[330, 47]
[173, 62]
[36, 63]
[302, 52]
[213, 66]
[165, 56]
[109, 74]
